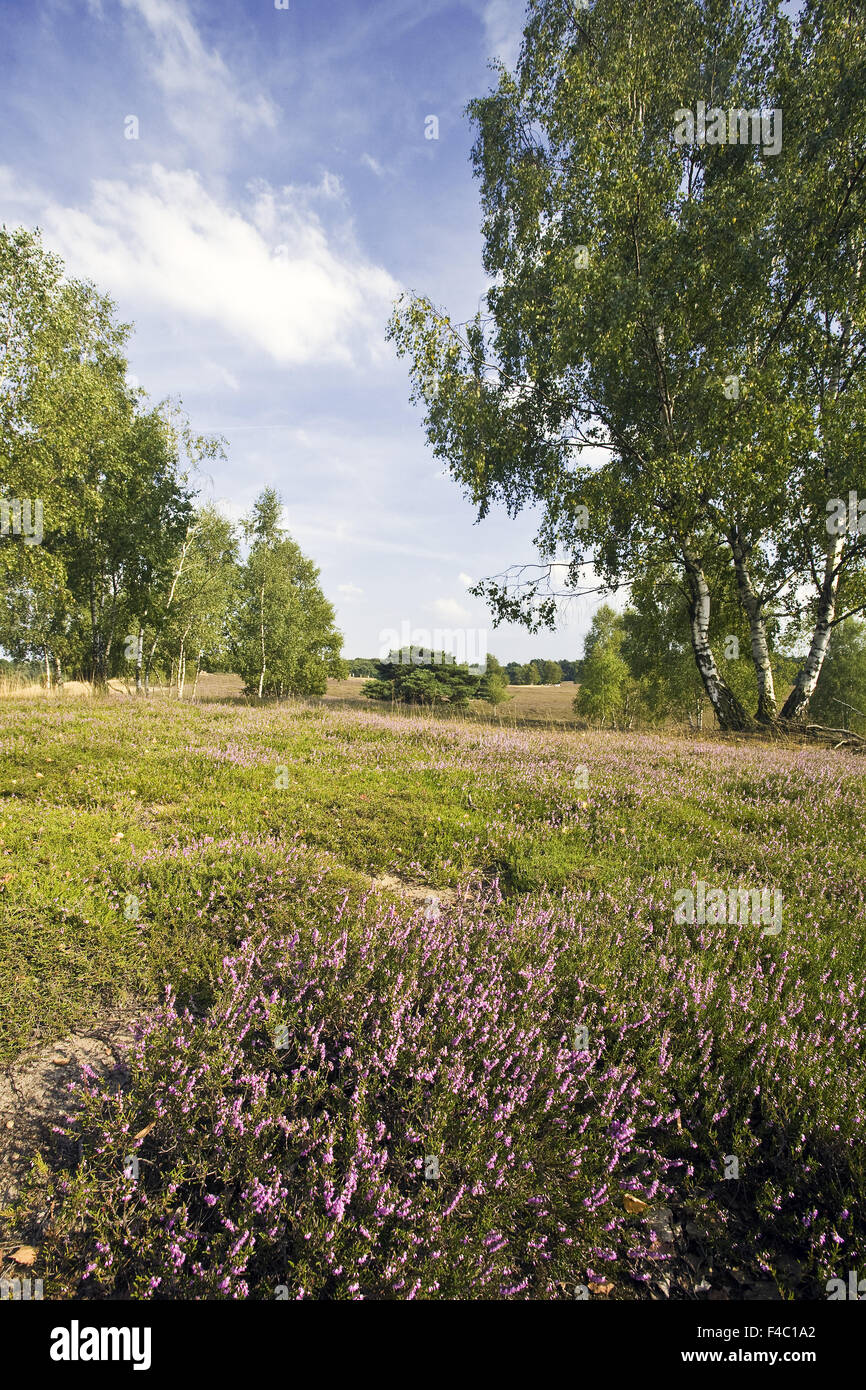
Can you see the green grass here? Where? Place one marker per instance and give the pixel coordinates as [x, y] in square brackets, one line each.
[366, 795]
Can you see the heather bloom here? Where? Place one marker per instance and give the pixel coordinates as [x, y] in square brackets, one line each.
[409, 1036]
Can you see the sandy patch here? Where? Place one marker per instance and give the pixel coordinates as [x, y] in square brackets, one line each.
[34, 1097]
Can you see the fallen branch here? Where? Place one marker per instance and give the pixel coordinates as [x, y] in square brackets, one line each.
[847, 735]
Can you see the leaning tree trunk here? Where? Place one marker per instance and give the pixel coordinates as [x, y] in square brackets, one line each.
[807, 677]
[728, 710]
[754, 607]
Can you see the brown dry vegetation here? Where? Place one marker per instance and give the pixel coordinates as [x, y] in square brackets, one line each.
[528, 703]
[537, 703]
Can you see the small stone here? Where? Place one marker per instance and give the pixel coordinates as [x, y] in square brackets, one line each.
[661, 1221]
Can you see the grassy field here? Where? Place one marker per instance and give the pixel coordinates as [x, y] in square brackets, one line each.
[617, 1102]
[526, 703]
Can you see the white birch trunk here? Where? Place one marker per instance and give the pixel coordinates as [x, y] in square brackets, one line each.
[727, 707]
[262, 631]
[760, 647]
[807, 677]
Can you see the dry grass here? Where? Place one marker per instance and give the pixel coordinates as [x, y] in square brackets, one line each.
[529, 704]
[542, 702]
[534, 704]
[13, 687]
[16, 687]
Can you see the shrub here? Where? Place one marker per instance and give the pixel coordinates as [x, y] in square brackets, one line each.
[304, 1167]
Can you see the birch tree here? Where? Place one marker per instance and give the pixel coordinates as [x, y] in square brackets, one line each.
[282, 635]
[649, 368]
[202, 592]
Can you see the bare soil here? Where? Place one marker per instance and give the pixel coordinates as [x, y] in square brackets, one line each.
[35, 1097]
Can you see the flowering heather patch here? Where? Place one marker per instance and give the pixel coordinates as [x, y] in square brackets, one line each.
[719, 1076]
[304, 1167]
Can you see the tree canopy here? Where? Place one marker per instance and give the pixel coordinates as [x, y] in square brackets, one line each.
[108, 564]
[671, 362]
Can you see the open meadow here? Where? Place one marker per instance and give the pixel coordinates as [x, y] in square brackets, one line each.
[525, 703]
[416, 1014]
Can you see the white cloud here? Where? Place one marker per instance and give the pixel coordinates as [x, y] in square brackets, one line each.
[269, 276]
[350, 590]
[373, 164]
[331, 186]
[449, 609]
[466, 579]
[203, 100]
[503, 22]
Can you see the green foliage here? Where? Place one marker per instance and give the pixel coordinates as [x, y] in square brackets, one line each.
[840, 699]
[608, 694]
[110, 475]
[363, 666]
[550, 672]
[127, 576]
[692, 312]
[493, 686]
[541, 672]
[419, 676]
[657, 650]
[194, 623]
[281, 633]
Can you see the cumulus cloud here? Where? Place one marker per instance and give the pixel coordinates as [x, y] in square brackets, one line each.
[269, 275]
[466, 579]
[350, 590]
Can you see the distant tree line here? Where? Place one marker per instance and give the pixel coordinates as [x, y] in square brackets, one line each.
[535, 672]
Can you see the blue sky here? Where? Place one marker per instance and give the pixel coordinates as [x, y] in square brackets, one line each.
[280, 194]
